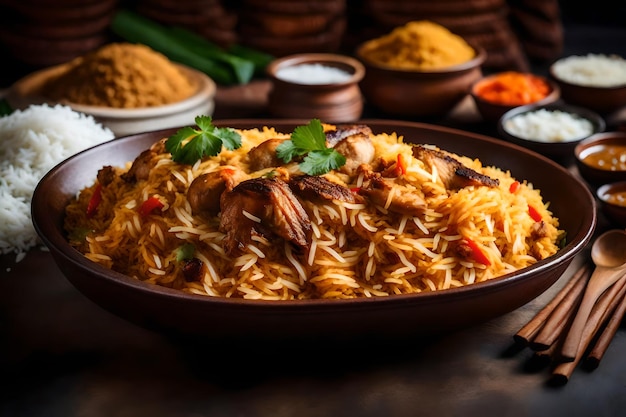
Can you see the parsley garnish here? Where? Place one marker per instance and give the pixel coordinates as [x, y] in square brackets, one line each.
[310, 140]
[188, 144]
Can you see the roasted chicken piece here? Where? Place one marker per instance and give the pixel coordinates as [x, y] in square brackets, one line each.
[314, 188]
[141, 166]
[264, 155]
[106, 175]
[266, 207]
[205, 190]
[404, 199]
[355, 143]
[452, 172]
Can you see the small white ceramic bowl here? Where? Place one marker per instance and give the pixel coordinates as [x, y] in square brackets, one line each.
[124, 121]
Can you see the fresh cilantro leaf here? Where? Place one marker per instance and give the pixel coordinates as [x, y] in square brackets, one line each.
[188, 144]
[310, 137]
[320, 162]
[310, 140]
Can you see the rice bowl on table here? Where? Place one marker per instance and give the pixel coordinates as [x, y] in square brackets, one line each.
[272, 276]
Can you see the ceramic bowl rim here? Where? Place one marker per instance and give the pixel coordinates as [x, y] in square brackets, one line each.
[582, 87]
[598, 122]
[478, 59]
[552, 97]
[357, 74]
[205, 91]
[50, 235]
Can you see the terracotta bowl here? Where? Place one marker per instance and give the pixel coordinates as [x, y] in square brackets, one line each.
[612, 198]
[589, 169]
[171, 311]
[491, 111]
[313, 94]
[123, 122]
[413, 93]
[604, 100]
[560, 151]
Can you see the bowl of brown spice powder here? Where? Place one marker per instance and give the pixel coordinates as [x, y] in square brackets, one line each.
[129, 88]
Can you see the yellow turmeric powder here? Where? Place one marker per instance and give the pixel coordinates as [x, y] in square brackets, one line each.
[418, 45]
[121, 75]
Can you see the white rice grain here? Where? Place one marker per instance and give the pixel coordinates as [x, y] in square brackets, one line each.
[34, 140]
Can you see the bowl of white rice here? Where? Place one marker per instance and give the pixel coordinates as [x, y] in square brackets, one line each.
[552, 130]
[595, 81]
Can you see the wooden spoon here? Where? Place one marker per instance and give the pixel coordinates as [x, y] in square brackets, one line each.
[609, 255]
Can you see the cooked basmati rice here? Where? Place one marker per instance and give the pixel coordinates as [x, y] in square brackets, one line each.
[357, 249]
[34, 140]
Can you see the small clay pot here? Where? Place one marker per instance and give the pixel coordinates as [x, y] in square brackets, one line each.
[331, 102]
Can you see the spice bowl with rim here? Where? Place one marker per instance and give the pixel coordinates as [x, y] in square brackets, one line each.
[595, 81]
[601, 158]
[424, 93]
[316, 85]
[496, 93]
[612, 202]
[552, 130]
[123, 121]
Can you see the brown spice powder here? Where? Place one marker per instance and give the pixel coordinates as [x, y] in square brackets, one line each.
[121, 75]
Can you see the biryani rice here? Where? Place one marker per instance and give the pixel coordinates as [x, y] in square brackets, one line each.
[357, 250]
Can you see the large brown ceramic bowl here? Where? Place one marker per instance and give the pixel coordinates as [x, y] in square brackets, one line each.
[419, 93]
[169, 310]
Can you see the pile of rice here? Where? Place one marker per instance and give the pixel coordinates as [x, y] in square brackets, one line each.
[34, 140]
[593, 70]
[357, 250]
[549, 126]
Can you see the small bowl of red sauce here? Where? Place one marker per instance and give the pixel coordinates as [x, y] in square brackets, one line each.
[612, 202]
[601, 158]
[500, 92]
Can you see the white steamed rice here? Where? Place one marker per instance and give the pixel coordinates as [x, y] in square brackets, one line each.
[33, 141]
[594, 70]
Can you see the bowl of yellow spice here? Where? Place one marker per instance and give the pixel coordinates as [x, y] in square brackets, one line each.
[129, 88]
[420, 69]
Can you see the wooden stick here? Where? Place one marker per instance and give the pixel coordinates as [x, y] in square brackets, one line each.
[561, 315]
[528, 332]
[563, 371]
[604, 340]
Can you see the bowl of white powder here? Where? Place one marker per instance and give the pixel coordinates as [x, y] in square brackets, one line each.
[552, 130]
[595, 81]
[316, 85]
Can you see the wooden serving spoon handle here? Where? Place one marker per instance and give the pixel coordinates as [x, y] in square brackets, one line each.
[601, 279]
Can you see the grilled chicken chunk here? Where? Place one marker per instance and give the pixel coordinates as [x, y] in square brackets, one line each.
[106, 175]
[404, 200]
[205, 191]
[453, 173]
[353, 142]
[266, 207]
[264, 155]
[314, 188]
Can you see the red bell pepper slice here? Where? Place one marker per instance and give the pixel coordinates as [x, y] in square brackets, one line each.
[514, 187]
[477, 252]
[94, 201]
[150, 205]
[400, 165]
[534, 213]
